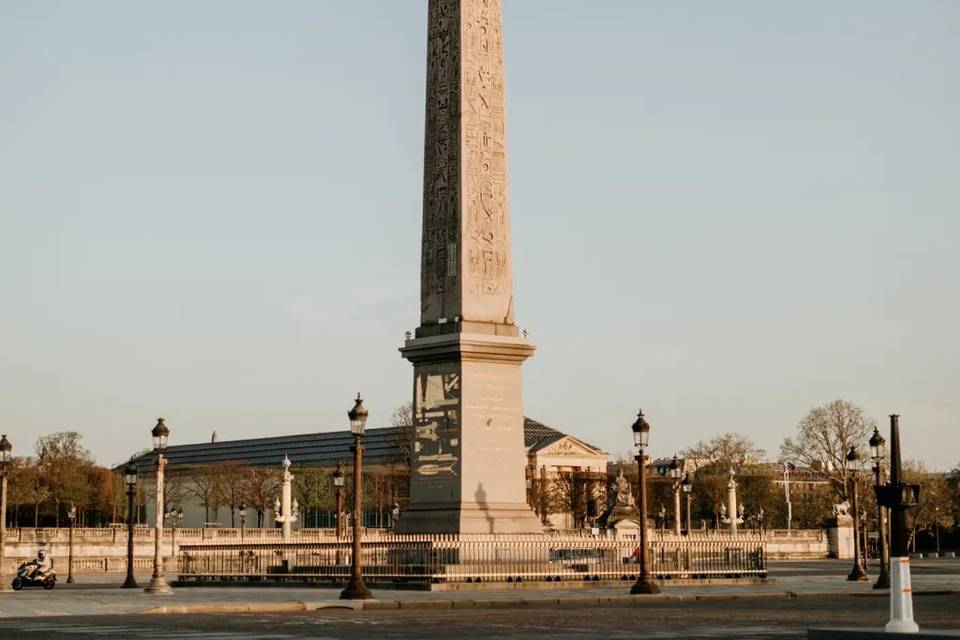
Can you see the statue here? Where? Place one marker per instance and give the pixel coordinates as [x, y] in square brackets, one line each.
[842, 509]
[624, 491]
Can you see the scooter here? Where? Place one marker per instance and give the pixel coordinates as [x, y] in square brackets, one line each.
[24, 579]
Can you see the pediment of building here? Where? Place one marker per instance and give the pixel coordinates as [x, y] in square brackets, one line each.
[569, 446]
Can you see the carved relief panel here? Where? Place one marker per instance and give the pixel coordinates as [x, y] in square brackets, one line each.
[466, 255]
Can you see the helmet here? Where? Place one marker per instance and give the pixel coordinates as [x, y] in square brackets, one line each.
[41, 554]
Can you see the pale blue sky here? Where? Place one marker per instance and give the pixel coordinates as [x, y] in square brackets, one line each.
[723, 212]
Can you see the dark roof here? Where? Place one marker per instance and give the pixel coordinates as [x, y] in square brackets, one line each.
[309, 449]
[306, 449]
[534, 432]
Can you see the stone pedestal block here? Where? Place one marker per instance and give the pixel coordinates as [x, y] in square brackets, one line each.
[840, 537]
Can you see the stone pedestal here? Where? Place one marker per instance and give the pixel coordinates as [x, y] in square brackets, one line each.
[468, 458]
[840, 537]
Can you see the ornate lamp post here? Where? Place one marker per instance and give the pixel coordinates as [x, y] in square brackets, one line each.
[687, 487]
[898, 496]
[857, 573]
[243, 520]
[338, 480]
[877, 454]
[285, 512]
[130, 475]
[787, 468]
[71, 517]
[357, 588]
[158, 585]
[675, 473]
[174, 517]
[6, 457]
[641, 438]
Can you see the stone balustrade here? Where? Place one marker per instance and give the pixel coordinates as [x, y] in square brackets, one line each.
[101, 550]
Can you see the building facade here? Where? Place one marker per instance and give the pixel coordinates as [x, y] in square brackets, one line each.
[209, 482]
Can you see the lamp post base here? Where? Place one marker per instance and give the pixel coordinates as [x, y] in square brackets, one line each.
[130, 583]
[883, 581]
[644, 586]
[158, 586]
[356, 590]
[857, 574]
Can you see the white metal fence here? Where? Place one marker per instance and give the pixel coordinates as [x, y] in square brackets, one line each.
[473, 558]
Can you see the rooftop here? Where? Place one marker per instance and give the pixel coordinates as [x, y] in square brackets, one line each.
[313, 449]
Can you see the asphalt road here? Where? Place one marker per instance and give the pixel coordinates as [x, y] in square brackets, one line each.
[729, 619]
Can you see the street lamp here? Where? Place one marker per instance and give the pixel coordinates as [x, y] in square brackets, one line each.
[6, 457]
[243, 520]
[356, 588]
[130, 475]
[71, 517]
[877, 453]
[857, 573]
[338, 480]
[158, 585]
[898, 496]
[675, 473]
[641, 437]
[687, 487]
[936, 523]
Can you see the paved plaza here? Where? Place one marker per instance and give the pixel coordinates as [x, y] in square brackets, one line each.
[813, 593]
[652, 619]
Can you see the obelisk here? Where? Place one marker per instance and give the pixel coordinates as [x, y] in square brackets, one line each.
[468, 457]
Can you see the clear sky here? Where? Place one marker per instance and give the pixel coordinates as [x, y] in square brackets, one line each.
[723, 212]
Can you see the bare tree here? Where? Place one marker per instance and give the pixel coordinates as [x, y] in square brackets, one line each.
[711, 462]
[934, 507]
[573, 491]
[728, 450]
[402, 419]
[539, 492]
[823, 438]
[205, 486]
[313, 489]
[230, 476]
[260, 486]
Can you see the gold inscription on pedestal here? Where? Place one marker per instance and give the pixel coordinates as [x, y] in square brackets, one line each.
[436, 444]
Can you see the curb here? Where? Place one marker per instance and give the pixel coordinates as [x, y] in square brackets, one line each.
[251, 607]
[373, 605]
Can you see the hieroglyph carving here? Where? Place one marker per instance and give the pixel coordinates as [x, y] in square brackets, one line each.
[487, 228]
[465, 169]
[441, 166]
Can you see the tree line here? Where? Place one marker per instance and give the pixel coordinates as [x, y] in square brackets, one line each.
[62, 473]
[819, 473]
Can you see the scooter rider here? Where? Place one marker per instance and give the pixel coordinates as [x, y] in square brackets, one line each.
[41, 566]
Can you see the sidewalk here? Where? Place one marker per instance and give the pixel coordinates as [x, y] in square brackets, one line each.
[87, 598]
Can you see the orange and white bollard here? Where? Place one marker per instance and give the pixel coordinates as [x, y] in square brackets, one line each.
[901, 598]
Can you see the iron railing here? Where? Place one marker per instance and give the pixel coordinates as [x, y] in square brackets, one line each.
[472, 558]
